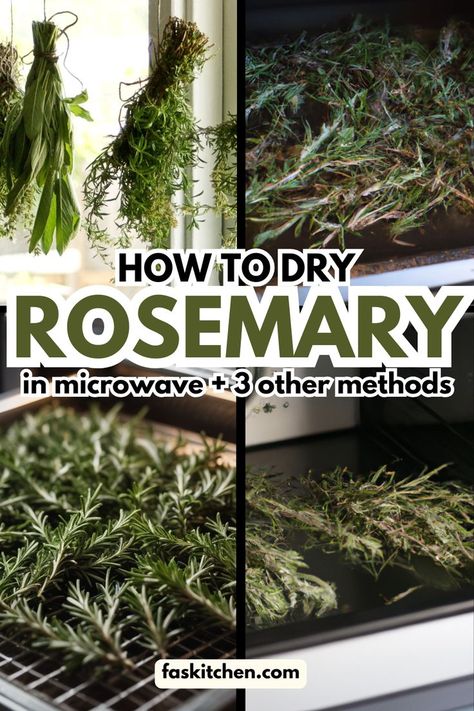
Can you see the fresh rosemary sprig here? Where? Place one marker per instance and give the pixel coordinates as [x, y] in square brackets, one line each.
[92, 632]
[359, 127]
[108, 533]
[223, 140]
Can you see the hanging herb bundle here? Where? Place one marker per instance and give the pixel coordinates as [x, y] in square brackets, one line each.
[9, 90]
[109, 532]
[372, 521]
[10, 101]
[223, 140]
[149, 160]
[37, 147]
[357, 128]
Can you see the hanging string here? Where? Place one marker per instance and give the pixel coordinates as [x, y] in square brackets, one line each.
[64, 32]
[71, 24]
[44, 9]
[61, 33]
[12, 53]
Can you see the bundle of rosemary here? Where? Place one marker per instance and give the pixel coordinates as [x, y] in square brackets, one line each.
[9, 90]
[355, 128]
[223, 140]
[150, 158]
[37, 146]
[10, 100]
[375, 521]
[110, 533]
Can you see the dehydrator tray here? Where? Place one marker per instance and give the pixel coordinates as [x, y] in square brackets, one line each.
[33, 680]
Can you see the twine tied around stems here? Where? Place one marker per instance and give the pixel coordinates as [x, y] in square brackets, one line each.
[50, 56]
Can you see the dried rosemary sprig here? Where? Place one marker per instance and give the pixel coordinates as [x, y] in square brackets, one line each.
[108, 532]
[10, 101]
[37, 147]
[377, 520]
[150, 158]
[277, 586]
[359, 127]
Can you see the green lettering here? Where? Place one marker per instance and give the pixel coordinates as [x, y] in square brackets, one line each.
[26, 330]
[368, 330]
[324, 309]
[147, 318]
[434, 322]
[277, 317]
[76, 332]
[195, 326]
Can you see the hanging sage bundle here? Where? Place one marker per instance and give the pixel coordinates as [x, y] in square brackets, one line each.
[38, 146]
[10, 100]
[150, 158]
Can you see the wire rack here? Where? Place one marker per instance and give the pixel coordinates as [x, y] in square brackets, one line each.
[31, 680]
[35, 681]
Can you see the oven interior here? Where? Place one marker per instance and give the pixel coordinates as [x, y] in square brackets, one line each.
[407, 435]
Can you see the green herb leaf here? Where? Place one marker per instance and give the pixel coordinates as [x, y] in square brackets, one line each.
[80, 111]
[45, 213]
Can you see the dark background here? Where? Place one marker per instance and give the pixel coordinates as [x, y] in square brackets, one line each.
[277, 16]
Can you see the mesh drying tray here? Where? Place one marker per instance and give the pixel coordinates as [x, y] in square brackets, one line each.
[35, 681]
[31, 680]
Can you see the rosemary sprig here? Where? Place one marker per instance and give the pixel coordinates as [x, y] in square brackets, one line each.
[223, 140]
[110, 533]
[359, 127]
[157, 624]
[191, 583]
[277, 586]
[374, 521]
